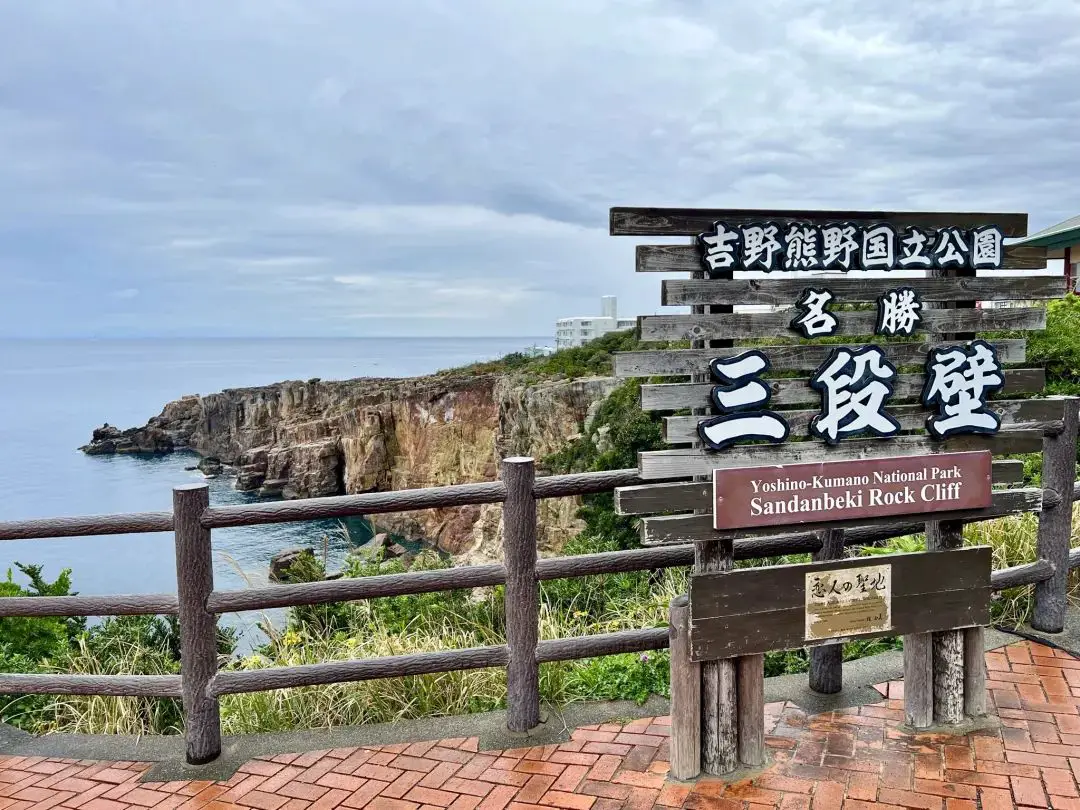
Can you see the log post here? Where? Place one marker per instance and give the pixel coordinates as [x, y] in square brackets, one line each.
[1055, 523]
[750, 674]
[522, 600]
[685, 695]
[719, 689]
[974, 672]
[198, 626]
[948, 645]
[918, 680]
[826, 661]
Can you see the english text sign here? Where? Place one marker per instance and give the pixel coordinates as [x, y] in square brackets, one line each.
[821, 492]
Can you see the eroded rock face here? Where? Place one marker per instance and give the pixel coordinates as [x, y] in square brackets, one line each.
[308, 439]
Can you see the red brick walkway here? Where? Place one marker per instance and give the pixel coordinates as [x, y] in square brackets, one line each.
[853, 759]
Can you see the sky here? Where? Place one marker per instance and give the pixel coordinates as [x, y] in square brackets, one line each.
[445, 167]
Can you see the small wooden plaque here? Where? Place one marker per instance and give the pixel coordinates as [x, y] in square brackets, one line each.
[757, 610]
[826, 491]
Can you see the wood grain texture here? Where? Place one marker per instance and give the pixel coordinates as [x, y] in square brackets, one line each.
[974, 672]
[198, 626]
[687, 259]
[918, 680]
[1055, 525]
[827, 661]
[759, 610]
[754, 325]
[1025, 574]
[162, 686]
[630, 221]
[681, 463]
[698, 528]
[685, 695]
[522, 602]
[371, 503]
[1046, 415]
[946, 535]
[750, 680]
[623, 641]
[791, 357]
[797, 391]
[147, 604]
[647, 499]
[229, 682]
[86, 526]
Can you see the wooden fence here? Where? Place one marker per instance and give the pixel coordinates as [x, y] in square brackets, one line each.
[197, 603]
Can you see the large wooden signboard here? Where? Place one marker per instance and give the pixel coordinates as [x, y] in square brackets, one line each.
[789, 606]
[837, 370]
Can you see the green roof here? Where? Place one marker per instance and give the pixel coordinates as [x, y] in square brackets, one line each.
[1056, 236]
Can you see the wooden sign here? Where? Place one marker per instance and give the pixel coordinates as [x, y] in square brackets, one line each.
[826, 491]
[756, 610]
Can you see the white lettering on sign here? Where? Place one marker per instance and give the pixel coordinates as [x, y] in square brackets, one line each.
[848, 602]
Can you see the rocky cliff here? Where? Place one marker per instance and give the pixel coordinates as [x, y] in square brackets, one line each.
[308, 439]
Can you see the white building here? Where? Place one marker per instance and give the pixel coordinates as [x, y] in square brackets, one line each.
[570, 332]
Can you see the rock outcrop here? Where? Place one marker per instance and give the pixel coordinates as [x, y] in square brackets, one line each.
[316, 438]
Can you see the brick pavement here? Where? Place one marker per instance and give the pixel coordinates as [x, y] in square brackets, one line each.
[853, 759]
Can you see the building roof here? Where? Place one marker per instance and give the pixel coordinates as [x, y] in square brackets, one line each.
[1056, 236]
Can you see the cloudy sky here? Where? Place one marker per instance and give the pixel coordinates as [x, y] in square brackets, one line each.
[445, 167]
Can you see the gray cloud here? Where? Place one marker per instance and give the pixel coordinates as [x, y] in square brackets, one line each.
[235, 163]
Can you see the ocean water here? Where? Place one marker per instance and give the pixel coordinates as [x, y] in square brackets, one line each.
[54, 392]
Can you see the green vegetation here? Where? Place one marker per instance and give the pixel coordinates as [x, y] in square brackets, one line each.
[462, 619]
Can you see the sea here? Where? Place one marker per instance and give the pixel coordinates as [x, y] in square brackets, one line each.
[53, 393]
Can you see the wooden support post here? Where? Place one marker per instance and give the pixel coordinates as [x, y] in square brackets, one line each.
[918, 680]
[948, 654]
[827, 661]
[974, 672]
[685, 695]
[198, 626]
[719, 680]
[751, 703]
[522, 595]
[1055, 523]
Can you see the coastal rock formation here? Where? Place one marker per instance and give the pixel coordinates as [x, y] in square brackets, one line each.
[316, 438]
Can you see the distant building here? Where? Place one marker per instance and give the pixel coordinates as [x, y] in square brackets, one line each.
[1062, 241]
[570, 332]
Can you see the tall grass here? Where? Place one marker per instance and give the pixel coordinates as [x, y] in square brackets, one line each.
[457, 620]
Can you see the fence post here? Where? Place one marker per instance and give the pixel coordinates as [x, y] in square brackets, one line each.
[948, 645]
[827, 660]
[685, 695]
[1055, 523]
[198, 626]
[522, 594]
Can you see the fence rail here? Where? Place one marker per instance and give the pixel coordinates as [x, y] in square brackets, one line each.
[198, 604]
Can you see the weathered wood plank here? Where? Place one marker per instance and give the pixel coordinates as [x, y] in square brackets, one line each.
[797, 391]
[793, 357]
[681, 463]
[747, 325]
[86, 525]
[1046, 415]
[1026, 574]
[632, 221]
[750, 684]
[685, 695]
[918, 680]
[646, 499]
[676, 529]
[974, 672]
[758, 610]
[623, 641]
[773, 289]
[826, 674]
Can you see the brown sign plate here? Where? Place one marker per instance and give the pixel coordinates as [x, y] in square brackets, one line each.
[825, 491]
[783, 607]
